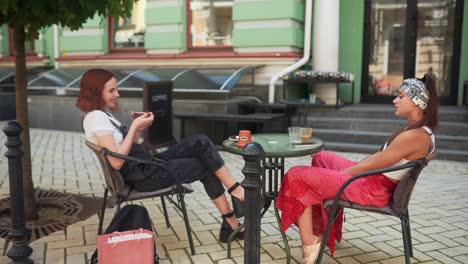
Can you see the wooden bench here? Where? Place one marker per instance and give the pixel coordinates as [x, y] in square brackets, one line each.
[260, 119]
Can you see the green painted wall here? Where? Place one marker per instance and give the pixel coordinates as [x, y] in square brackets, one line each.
[97, 43]
[271, 9]
[49, 44]
[164, 40]
[165, 15]
[351, 46]
[269, 37]
[4, 40]
[463, 56]
[105, 39]
[81, 43]
[39, 43]
[173, 15]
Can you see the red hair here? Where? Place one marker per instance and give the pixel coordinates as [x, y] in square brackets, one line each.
[91, 87]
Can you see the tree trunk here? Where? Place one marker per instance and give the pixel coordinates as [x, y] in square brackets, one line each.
[30, 208]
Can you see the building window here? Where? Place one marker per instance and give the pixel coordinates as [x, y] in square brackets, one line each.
[128, 33]
[210, 23]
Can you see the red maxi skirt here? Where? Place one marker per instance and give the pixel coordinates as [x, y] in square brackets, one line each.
[305, 186]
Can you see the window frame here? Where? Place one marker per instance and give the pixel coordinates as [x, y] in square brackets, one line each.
[188, 33]
[110, 39]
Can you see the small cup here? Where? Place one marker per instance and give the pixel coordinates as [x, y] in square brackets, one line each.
[295, 135]
[245, 137]
[306, 134]
[312, 98]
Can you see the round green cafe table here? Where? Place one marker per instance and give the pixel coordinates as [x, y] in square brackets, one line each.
[277, 147]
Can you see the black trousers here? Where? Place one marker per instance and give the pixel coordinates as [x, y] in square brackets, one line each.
[193, 159]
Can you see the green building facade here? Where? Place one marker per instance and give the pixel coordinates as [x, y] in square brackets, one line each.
[269, 34]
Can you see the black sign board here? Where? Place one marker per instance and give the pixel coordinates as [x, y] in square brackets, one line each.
[157, 98]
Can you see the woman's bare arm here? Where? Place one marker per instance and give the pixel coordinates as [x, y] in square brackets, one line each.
[411, 145]
[108, 141]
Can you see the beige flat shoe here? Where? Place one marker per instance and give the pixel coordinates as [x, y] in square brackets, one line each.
[310, 253]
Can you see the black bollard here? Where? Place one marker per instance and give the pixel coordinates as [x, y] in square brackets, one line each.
[253, 154]
[20, 250]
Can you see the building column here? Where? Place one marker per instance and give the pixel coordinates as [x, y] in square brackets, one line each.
[325, 48]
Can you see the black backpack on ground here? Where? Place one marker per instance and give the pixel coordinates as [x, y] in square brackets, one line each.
[130, 217]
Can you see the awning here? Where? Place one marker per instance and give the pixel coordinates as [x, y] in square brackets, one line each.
[7, 76]
[196, 79]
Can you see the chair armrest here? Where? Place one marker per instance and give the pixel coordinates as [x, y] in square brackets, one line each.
[411, 164]
[158, 163]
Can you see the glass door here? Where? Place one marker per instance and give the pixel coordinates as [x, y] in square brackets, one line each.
[435, 42]
[387, 47]
[407, 38]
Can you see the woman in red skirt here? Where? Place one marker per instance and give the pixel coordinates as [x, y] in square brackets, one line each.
[305, 188]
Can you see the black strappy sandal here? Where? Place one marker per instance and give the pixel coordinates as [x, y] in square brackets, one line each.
[237, 204]
[226, 229]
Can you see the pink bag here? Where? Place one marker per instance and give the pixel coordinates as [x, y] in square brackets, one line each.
[134, 246]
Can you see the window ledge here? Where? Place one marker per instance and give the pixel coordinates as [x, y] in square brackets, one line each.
[185, 55]
[28, 58]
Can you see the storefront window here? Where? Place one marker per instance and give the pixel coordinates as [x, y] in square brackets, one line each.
[434, 49]
[387, 49]
[210, 23]
[129, 32]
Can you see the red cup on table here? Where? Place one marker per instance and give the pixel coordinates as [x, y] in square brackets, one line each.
[244, 138]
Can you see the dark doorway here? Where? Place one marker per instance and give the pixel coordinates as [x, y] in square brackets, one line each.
[408, 38]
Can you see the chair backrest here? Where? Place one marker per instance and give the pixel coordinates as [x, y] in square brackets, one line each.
[113, 178]
[157, 98]
[404, 189]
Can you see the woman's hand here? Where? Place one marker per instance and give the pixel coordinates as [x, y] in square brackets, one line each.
[135, 114]
[142, 121]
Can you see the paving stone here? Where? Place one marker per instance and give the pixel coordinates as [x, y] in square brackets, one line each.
[439, 216]
[442, 239]
[442, 258]
[368, 257]
[179, 256]
[202, 258]
[364, 246]
[347, 252]
[274, 251]
[76, 259]
[65, 243]
[455, 251]
[462, 258]
[80, 249]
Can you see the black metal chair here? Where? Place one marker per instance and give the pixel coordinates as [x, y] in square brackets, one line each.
[398, 206]
[121, 192]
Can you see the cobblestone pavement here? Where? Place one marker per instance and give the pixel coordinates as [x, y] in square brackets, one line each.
[439, 215]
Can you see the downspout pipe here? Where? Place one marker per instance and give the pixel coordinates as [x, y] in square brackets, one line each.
[305, 58]
[56, 46]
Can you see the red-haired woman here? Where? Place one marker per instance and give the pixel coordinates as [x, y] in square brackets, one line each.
[194, 158]
[304, 188]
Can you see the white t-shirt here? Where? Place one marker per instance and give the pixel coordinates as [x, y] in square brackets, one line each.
[97, 123]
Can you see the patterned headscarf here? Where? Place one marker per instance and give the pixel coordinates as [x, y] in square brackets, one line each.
[416, 91]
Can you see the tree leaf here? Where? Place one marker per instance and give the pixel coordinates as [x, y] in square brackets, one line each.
[4, 6]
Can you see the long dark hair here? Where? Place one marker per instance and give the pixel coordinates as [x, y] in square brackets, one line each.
[431, 114]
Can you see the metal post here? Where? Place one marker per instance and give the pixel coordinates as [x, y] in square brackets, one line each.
[20, 250]
[253, 154]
